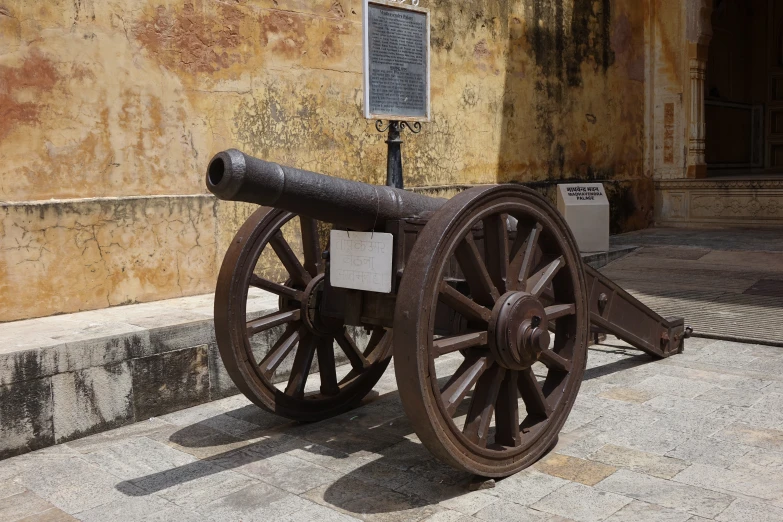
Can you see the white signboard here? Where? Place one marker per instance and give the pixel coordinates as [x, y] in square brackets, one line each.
[361, 260]
[586, 210]
[396, 61]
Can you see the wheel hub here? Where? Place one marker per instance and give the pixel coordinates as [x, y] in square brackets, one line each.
[518, 330]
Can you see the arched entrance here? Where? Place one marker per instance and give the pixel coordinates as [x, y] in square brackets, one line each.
[732, 96]
[743, 88]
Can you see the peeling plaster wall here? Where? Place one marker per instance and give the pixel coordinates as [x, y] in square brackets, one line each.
[116, 106]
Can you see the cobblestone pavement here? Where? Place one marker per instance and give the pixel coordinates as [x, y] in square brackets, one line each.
[692, 438]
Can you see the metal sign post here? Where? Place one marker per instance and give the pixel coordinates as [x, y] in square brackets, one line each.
[394, 149]
[396, 74]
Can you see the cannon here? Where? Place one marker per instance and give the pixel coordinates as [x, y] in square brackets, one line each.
[491, 281]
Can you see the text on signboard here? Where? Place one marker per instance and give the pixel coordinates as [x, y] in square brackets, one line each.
[361, 260]
[584, 193]
[397, 46]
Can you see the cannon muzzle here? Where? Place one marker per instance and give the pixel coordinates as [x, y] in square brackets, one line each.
[235, 176]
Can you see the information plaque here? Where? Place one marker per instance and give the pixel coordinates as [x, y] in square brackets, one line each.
[396, 61]
[586, 210]
[361, 260]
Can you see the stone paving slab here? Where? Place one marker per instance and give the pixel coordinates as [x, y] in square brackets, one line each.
[681, 454]
[760, 239]
[725, 282]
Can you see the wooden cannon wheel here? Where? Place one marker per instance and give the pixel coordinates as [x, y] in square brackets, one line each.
[505, 404]
[302, 335]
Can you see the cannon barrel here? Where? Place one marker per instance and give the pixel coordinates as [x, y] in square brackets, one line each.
[235, 176]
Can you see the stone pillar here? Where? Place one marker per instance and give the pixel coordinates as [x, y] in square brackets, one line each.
[697, 165]
[699, 35]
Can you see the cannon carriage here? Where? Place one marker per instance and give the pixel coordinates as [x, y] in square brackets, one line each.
[491, 278]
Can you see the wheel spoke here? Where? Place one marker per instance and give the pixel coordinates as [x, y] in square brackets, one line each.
[327, 367]
[458, 342]
[275, 288]
[358, 361]
[541, 279]
[462, 381]
[533, 395]
[377, 340]
[310, 244]
[301, 367]
[269, 321]
[523, 257]
[482, 405]
[464, 305]
[496, 249]
[554, 361]
[557, 311]
[507, 412]
[291, 263]
[481, 287]
[279, 351]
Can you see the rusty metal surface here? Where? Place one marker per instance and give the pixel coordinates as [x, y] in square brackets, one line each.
[617, 312]
[493, 274]
[235, 176]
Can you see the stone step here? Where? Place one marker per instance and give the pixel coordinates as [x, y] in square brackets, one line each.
[68, 376]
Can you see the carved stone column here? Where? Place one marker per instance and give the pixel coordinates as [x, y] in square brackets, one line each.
[697, 165]
[699, 37]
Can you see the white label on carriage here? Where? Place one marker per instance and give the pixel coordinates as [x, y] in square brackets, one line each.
[361, 260]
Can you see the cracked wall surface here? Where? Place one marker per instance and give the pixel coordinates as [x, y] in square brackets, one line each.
[66, 256]
[128, 99]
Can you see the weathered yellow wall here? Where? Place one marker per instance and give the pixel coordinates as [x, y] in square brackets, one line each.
[126, 99]
[99, 253]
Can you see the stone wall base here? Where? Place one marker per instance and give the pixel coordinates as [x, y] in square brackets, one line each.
[69, 376]
[719, 202]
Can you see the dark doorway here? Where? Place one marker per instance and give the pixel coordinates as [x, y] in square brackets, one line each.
[744, 88]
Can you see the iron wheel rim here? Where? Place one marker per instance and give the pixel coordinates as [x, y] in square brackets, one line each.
[428, 410]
